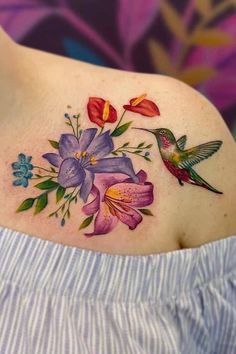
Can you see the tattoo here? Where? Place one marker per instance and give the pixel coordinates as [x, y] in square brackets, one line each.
[179, 161]
[87, 164]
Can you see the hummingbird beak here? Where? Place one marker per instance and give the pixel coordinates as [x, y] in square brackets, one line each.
[153, 131]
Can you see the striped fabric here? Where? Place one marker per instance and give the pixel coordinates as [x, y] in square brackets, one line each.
[56, 299]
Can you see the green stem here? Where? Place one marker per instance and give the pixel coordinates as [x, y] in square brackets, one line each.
[70, 201]
[121, 118]
[71, 125]
[42, 168]
[67, 200]
[77, 126]
[101, 130]
[44, 177]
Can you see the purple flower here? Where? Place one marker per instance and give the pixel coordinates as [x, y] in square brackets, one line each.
[116, 198]
[79, 159]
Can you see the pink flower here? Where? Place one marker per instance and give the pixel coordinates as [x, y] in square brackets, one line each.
[116, 198]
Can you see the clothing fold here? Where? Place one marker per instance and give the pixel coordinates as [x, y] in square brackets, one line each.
[57, 299]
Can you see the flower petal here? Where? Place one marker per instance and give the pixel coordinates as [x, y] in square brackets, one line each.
[86, 185]
[104, 222]
[95, 109]
[17, 182]
[146, 107]
[24, 182]
[68, 145]
[129, 217]
[15, 165]
[53, 159]
[18, 173]
[131, 194]
[92, 207]
[114, 165]
[22, 158]
[141, 175]
[101, 146]
[104, 180]
[86, 138]
[71, 173]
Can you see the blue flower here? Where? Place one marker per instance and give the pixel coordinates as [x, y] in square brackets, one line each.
[22, 170]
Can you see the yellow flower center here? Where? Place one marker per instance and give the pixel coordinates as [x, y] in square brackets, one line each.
[117, 195]
[92, 160]
[84, 153]
[77, 155]
[80, 154]
[106, 111]
[138, 100]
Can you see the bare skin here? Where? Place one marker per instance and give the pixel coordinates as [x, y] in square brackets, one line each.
[35, 89]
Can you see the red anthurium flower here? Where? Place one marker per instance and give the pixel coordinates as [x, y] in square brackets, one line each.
[143, 106]
[101, 111]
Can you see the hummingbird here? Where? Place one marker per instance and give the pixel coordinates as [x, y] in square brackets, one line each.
[180, 161]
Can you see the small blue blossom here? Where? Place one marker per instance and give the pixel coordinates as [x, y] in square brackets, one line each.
[22, 170]
[147, 153]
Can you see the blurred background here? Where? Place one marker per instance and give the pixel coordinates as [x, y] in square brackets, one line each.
[192, 40]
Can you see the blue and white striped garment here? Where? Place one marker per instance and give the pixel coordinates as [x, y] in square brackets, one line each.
[56, 299]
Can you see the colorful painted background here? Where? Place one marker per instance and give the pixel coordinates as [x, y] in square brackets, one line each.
[193, 40]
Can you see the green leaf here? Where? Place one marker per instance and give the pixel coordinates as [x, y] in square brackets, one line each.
[53, 169]
[146, 212]
[137, 151]
[121, 129]
[48, 184]
[114, 153]
[149, 146]
[25, 205]
[86, 222]
[54, 144]
[60, 193]
[125, 144]
[41, 203]
[140, 145]
[147, 158]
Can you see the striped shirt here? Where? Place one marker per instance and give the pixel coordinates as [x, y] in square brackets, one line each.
[57, 299]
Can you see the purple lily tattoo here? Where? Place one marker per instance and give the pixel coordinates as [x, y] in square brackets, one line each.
[80, 158]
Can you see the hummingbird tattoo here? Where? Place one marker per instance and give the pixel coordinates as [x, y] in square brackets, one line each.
[180, 161]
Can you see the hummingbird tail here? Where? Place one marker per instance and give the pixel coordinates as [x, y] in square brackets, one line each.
[198, 180]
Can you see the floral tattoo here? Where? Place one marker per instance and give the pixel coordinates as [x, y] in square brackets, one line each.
[88, 165]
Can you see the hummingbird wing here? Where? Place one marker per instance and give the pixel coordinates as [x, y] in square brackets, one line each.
[198, 153]
[181, 142]
[198, 180]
